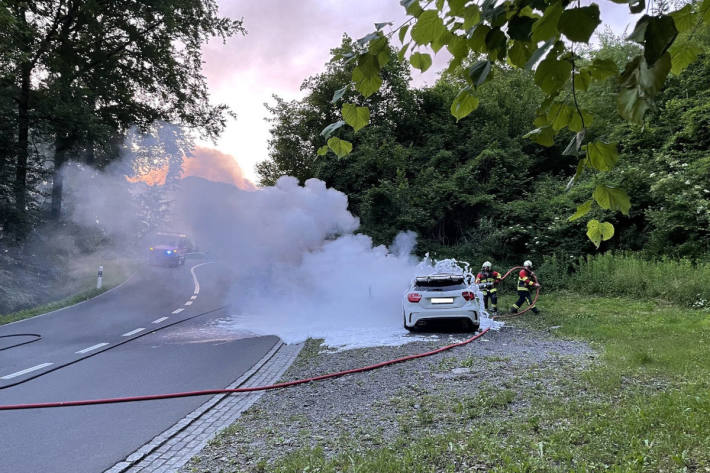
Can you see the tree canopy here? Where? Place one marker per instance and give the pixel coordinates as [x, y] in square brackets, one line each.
[547, 37]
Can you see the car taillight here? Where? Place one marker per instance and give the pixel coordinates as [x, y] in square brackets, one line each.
[468, 295]
[414, 297]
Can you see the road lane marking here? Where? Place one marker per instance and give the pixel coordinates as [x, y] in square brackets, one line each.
[28, 370]
[133, 332]
[157, 321]
[177, 311]
[193, 297]
[93, 347]
[188, 303]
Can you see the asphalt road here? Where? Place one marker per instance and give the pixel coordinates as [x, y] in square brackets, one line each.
[71, 362]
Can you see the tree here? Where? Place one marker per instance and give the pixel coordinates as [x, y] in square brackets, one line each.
[103, 67]
[547, 37]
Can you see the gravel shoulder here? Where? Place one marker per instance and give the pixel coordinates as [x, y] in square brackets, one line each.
[493, 376]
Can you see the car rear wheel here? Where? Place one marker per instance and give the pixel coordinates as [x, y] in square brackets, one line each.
[404, 323]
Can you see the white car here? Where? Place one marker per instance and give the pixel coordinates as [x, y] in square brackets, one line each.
[443, 297]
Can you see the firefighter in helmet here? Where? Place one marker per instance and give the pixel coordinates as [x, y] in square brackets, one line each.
[487, 281]
[526, 281]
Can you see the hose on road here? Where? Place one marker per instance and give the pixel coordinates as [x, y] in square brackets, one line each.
[209, 392]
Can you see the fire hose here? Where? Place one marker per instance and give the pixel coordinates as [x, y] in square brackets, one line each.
[154, 397]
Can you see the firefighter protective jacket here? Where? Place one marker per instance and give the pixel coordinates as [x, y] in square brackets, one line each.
[492, 277]
[525, 280]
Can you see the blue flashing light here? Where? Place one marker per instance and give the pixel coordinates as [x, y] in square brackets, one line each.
[169, 252]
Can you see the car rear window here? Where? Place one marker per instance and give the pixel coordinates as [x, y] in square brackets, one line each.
[439, 283]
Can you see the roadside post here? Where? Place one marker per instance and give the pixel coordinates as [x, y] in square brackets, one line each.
[100, 277]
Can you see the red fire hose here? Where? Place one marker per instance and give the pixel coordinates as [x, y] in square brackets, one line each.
[154, 397]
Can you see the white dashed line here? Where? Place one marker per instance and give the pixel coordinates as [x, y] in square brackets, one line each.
[28, 370]
[193, 297]
[157, 321]
[93, 347]
[177, 311]
[188, 303]
[133, 332]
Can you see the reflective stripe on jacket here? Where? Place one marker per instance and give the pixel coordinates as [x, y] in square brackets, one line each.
[525, 280]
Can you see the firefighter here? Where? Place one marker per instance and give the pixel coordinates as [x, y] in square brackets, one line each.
[487, 281]
[526, 281]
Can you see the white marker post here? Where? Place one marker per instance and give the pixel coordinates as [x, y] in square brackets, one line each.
[100, 277]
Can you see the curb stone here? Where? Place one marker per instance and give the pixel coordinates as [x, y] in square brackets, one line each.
[170, 450]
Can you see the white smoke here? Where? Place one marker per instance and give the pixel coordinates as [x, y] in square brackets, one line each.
[299, 270]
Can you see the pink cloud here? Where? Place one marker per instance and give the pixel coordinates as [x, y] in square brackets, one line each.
[215, 166]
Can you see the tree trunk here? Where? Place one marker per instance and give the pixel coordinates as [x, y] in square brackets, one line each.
[23, 145]
[62, 146]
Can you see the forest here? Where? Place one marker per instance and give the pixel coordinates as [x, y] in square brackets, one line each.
[479, 189]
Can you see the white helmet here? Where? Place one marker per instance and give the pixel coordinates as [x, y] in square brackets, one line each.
[527, 264]
[486, 265]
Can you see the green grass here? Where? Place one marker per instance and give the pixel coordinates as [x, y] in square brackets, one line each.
[681, 282]
[114, 277]
[642, 407]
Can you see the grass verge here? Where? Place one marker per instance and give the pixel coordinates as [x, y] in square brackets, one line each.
[115, 276]
[642, 408]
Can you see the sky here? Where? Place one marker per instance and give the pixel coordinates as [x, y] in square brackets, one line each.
[286, 42]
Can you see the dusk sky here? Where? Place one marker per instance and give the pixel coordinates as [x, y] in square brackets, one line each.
[287, 41]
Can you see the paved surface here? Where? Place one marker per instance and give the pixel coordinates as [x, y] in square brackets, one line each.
[173, 448]
[131, 341]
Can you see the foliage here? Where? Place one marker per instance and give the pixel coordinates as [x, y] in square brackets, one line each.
[77, 75]
[548, 37]
[475, 189]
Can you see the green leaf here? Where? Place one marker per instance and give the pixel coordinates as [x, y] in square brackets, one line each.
[439, 5]
[582, 210]
[602, 68]
[464, 103]
[582, 79]
[683, 55]
[581, 164]
[441, 40]
[478, 73]
[639, 84]
[428, 27]
[578, 24]
[477, 38]
[684, 18]
[519, 53]
[660, 34]
[602, 156]
[412, 7]
[612, 198]
[559, 115]
[575, 122]
[323, 150]
[421, 61]
[544, 136]
[705, 11]
[356, 117]
[471, 16]
[636, 6]
[457, 7]
[402, 51]
[340, 147]
[403, 32]
[366, 75]
[656, 33]
[599, 231]
[546, 27]
[458, 47]
[496, 43]
[327, 131]
[339, 94]
[552, 74]
[520, 28]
